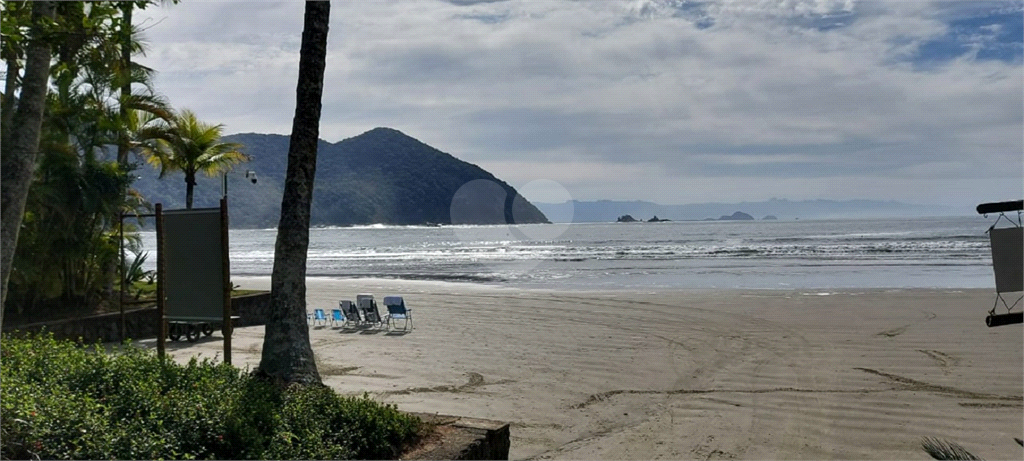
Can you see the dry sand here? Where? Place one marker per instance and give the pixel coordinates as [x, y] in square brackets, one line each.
[689, 374]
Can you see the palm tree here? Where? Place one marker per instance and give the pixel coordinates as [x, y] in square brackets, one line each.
[287, 355]
[129, 43]
[20, 143]
[190, 146]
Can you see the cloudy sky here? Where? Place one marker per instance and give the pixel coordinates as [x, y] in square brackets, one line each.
[669, 101]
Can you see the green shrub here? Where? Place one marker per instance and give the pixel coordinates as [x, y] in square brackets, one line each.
[60, 400]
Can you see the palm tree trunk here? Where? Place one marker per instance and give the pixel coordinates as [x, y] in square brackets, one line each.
[287, 354]
[10, 87]
[126, 85]
[122, 136]
[18, 162]
[190, 184]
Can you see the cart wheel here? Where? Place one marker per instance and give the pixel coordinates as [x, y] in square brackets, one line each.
[174, 332]
[207, 329]
[193, 333]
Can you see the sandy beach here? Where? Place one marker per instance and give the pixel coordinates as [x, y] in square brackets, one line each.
[684, 374]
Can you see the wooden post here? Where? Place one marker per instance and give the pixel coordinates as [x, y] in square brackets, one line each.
[226, 270]
[161, 305]
[120, 272]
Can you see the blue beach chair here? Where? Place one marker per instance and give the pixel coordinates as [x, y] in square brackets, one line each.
[397, 311]
[319, 316]
[337, 318]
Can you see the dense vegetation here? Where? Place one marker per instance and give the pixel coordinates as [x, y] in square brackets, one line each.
[381, 176]
[63, 401]
[102, 119]
[67, 252]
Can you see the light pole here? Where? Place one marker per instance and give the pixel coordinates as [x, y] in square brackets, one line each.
[249, 174]
[229, 286]
[120, 271]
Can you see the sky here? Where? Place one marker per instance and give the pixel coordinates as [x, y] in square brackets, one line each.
[667, 101]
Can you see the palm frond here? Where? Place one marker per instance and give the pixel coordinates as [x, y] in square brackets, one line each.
[146, 102]
[186, 144]
[944, 449]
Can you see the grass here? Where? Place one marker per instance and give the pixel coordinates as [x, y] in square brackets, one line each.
[144, 292]
[61, 400]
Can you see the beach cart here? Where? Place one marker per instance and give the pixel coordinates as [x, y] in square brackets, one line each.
[193, 329]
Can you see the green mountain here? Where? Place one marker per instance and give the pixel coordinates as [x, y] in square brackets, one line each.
[381, 176]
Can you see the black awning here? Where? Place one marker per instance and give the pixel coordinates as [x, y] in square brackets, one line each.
[1000, 207]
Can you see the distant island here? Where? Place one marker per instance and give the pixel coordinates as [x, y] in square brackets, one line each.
[629, 218]
[782, 209]
[382, 176]
[737, 216]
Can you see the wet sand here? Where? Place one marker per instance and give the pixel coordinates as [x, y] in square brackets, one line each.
[687, 374]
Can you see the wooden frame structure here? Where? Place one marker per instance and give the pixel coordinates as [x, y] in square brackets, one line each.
[222, 260]
[1007, 260]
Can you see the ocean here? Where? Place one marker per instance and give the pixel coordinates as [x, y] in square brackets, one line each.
[948, 252]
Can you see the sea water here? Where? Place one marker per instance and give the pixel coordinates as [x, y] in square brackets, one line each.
[948, 252]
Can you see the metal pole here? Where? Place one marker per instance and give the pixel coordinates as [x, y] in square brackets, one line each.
[226, 271]
[120, 294]
[161, 331]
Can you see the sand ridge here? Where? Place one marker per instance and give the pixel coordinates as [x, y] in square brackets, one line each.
[683, 374]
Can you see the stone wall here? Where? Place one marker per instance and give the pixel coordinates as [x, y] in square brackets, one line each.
[459, 437]
[139, 323]
[253, 309]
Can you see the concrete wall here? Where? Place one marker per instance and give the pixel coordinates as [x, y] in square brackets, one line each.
[139, 323]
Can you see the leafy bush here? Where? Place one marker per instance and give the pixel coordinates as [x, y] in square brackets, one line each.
[63, 401]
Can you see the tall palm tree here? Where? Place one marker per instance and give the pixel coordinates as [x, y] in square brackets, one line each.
[287, 355]
[20, 143]
[190, 146]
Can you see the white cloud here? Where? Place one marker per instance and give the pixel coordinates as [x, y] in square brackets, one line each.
[731, 94]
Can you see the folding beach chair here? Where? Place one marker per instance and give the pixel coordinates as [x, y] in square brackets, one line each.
[351, 312]
[368, 307]
[397, 311]
[319, 316]
[337, 318]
